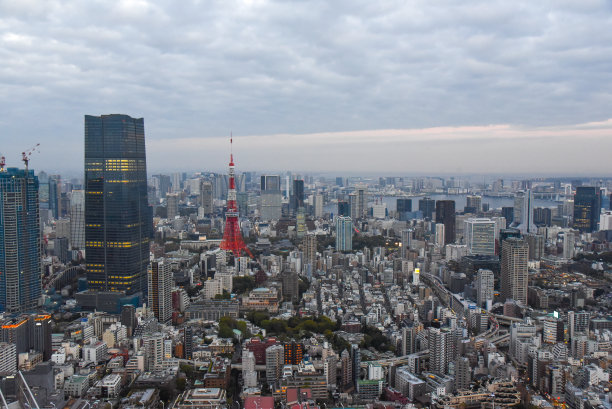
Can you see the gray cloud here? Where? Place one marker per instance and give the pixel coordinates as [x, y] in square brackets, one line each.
[198, 69]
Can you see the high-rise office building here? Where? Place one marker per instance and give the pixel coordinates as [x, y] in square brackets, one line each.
[118, 220]
[526, 223]
[403, 208]
[406, 242]
[344, 233]
[77, 220]
[484, 287]
[480, 235]
[206, 197]
[344, 209]
[362, 201]
[160, 280]
[353, 205]
[587, 206]
[20, 266]
[474, 202]
[508, 214]
[427, 207]
[317, 204]
[542, 216]
[514, 270]
[270, 208]
[55, 195]
[172, 201]
[445, 213]
[297, 197]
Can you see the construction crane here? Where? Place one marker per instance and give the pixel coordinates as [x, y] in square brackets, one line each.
[25, 156]
[2, 163]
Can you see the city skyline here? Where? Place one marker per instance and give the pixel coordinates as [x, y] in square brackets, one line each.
[428, 88]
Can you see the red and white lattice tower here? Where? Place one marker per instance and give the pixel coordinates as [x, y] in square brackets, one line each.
[232, 238]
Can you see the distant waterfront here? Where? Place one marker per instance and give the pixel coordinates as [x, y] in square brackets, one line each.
[460, 201]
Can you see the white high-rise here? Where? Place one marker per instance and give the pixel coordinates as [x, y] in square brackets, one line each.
[480, 236]
[569, 241]
[274, 363]
[271, 198]
[440, 234]
[484, 287]
[525, 220]
[77, 220]
[160, 281]
[249, 374]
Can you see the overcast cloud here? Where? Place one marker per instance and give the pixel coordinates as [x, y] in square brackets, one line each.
[358, 86]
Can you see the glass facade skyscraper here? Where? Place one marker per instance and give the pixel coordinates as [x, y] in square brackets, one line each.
[20, 267]
[118, 220]
[445, 213]
[587, 208]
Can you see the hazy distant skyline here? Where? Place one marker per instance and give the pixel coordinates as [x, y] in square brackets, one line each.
[481, 87]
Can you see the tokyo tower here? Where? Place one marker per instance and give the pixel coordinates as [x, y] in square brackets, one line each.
[232, 239]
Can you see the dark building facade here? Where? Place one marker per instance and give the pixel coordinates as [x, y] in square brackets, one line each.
[542, 216]
[118, 220]
[403, 206]
[344, 208]
[427, 206]
[445, 214]
[297, 198]
[508, 214]
[586, 208]
[20, 246]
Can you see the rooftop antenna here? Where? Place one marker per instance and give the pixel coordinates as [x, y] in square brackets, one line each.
[25, 156]
[2, 163]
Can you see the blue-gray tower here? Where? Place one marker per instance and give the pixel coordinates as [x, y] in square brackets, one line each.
[20, 267]
[118, 220]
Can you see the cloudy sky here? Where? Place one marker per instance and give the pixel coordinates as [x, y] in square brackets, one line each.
[391, 87]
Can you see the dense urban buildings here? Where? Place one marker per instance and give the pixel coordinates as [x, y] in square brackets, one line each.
[262, 291]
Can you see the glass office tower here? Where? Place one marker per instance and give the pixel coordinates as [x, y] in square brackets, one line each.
[118, 220]
[20, 266]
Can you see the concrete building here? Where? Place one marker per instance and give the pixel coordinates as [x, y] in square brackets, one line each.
[480, 235]
[485, 280]
[160, 282]
[514, 271]
[344, 233]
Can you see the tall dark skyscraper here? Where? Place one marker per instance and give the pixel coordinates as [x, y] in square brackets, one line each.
[20, 266]
[118, 221]
[587, 207]
[445, 214]
[508, 214]
[297, 198]
[427, 206]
